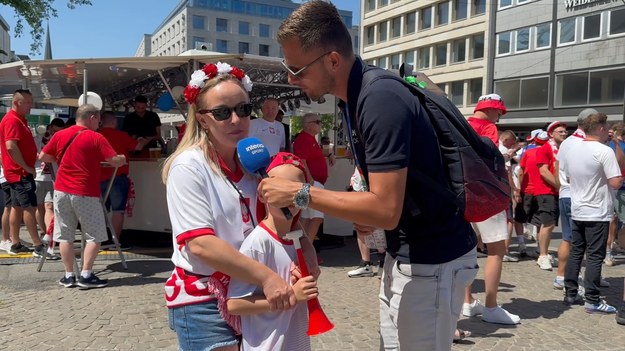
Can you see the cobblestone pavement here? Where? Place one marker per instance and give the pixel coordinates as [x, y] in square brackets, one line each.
[38, 314]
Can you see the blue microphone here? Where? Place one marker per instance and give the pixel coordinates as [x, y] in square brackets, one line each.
[255, 158]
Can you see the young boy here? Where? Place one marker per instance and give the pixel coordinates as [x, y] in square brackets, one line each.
[263, 329]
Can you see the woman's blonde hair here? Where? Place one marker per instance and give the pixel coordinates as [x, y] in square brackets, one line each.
[195, 135]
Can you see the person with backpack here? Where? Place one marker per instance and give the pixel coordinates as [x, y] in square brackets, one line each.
[431, 255]
[494, 230]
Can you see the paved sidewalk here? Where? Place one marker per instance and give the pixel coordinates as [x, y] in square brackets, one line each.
[38, 314]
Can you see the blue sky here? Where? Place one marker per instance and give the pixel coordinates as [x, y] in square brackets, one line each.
[108, 28]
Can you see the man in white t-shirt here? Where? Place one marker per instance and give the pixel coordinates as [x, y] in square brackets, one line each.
[269, 131]
[565, 195]
[592, 171]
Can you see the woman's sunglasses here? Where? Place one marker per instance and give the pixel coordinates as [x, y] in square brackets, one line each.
[242, 110]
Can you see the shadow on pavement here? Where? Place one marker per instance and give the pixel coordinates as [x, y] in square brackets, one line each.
[144, 268]
[527, 309]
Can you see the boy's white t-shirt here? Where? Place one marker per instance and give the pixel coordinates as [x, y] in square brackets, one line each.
[271, 134]
[589, 165]
[282, 330]
[567, 145]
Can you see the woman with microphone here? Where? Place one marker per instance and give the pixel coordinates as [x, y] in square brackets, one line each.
[213, 205]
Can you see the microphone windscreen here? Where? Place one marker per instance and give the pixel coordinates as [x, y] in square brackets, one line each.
[253, 155]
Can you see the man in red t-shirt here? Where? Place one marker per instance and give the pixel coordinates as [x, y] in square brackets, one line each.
[19, 154]
[308, 149]
[546, 191]
[123, 144]
[78, 150]
[494, 230]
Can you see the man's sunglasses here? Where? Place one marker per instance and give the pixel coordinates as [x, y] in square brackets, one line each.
[242, 110]
[295, 72]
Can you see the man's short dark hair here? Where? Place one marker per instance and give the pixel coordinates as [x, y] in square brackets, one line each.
[142, 99]
[594, 122]
[317, 24]
[22, 92]
[57, 122]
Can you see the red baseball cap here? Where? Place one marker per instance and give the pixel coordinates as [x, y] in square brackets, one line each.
[287, 158]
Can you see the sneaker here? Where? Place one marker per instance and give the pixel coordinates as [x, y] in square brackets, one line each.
[558, 283]
[620, 315]
[544, 263]
[609, 261]
[570, 301]
[508, 258]
[39, 251]
[499, 315]
[364, 270]
[472, 309]
[92, 282]
[600, 307]
[68, 282]
[5, 245]
[616, 249]
[19, 248]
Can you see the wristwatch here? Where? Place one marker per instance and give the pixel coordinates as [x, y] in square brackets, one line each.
[302, 197]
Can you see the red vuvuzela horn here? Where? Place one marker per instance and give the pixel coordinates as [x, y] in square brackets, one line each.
[318, 322]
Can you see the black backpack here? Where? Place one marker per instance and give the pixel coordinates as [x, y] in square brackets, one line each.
[478, 181]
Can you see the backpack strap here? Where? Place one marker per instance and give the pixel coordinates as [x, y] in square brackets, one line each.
[67, 146]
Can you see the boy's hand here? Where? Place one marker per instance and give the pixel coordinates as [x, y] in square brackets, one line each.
[305, 289]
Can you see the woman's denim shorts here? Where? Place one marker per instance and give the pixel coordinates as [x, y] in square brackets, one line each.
[199, 327]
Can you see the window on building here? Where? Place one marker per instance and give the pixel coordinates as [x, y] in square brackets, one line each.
[382, 62]
[617, 22]
[442, 13]
[475, 90]
[567, 31]
[592, 27]
[263, 50]
[457, 92]
[221, 25]
[197, 41]
[509, 90]
[424, 57]
[607, 87]
[263, 30]
[221, 45]
[441, 54]
[410, 21]
[382, 3]
[477, 46]
[244, 28]
[522, 39]
[572, 89]
[534, 92]
[199, 22]
[503, 43]
[383, 31]
[426, 18]
[505, 3]
[244, 48]
[478, 7]
[443, 87]
[370, 5]
[543, 35]
[460, 9]
[459, 53]
[395, 61]
[370, 34]
[396, 27]
[409, 58]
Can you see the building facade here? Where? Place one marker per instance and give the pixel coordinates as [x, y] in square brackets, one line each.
[228, 26]
[553, 58]
[444, 39]
[5, 41]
